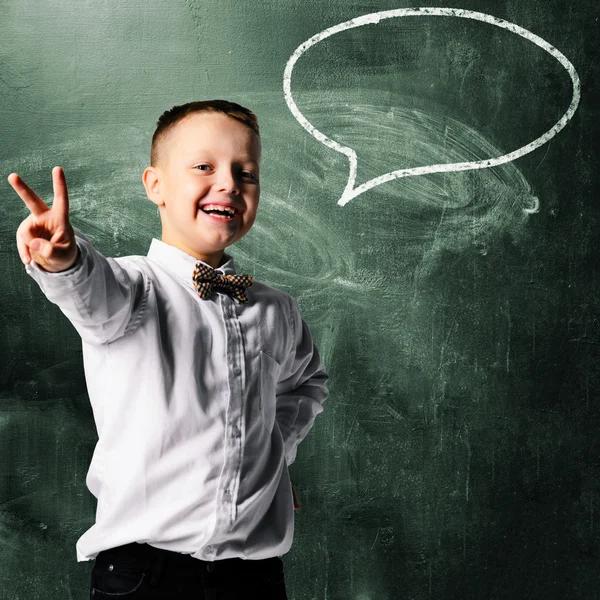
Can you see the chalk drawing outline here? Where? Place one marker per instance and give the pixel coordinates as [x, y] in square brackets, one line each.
[350, 191]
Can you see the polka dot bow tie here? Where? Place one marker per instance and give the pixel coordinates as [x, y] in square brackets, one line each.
[207, 280]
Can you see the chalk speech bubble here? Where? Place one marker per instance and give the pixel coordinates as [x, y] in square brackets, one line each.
[372, 18]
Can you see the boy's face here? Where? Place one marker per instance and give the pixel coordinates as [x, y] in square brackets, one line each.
[209, 158]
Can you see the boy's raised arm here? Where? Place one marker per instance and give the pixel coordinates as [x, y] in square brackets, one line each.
[95, 293]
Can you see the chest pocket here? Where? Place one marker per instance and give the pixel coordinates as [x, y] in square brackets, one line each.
[269, 375]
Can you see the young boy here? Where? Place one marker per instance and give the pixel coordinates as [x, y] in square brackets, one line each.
[202, 380]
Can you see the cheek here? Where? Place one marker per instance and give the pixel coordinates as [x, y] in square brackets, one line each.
[191, 193]
[193, 187]
[249, 220]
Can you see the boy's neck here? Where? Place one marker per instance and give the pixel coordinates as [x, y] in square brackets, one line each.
[214, 260]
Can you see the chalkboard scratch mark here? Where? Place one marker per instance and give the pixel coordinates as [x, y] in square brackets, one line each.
[430, 577]
[10, 500]
[17, 589]
[584, 341]
[468, 445]
[443, 348]
[197, 18]
[544, 158]
[375, 538]
[393, 411]
[508, 340]
[11, 84]
[365, 410]
[350, 430]
[440, 223]
[552, 412]
[464, 77]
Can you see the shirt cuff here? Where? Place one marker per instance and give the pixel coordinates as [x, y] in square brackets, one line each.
[32, 265]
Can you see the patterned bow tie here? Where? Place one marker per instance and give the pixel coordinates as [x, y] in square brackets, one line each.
[207, 280]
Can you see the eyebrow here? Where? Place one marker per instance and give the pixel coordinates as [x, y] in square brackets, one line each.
[244, 159]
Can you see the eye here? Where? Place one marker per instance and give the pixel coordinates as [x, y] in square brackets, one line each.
[249, 174]
[197, 166]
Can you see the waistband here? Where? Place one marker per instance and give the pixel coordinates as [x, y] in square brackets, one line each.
[143, 555]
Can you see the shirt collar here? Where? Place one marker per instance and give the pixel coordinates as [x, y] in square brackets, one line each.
[181, 264]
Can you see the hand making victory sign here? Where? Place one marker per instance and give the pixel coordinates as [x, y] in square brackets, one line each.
[46, 235]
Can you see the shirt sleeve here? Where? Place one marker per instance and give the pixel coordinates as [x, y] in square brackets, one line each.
[99, 296]
[301, 390]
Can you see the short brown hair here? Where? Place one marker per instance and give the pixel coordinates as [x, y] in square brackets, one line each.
[167, 121]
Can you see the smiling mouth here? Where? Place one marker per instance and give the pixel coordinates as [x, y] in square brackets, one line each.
[220, 215]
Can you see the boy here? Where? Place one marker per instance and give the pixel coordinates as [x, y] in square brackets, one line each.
[202, 381]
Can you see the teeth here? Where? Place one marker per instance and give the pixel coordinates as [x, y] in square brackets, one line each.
[229, 209]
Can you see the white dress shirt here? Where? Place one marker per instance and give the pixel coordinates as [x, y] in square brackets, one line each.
[199, 404]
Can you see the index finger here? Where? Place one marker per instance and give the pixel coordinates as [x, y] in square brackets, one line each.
[35, 204]
[61, 196]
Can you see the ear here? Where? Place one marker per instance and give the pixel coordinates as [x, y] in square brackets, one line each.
[151, 179]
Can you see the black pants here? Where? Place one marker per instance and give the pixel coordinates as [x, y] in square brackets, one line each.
[140, 571]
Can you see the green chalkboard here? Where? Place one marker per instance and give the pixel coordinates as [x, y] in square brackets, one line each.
[456, 312]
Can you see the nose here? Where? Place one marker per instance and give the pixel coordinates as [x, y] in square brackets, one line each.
[227, 182]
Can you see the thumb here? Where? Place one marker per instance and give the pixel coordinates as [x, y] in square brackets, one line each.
[43, 248]
[52, 256]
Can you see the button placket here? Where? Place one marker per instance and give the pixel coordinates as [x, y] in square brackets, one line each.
[226, 509]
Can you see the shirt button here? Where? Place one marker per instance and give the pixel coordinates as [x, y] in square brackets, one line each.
[208, 549]
[227, 495]
[237, 370]
[235, 431]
